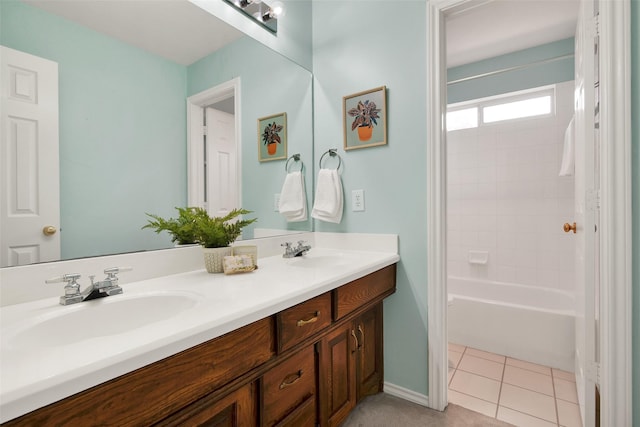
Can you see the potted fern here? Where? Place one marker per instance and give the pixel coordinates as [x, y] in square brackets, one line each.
[182, 229]
[215, 234]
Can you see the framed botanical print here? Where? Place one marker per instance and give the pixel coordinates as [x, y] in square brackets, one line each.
[272, 137]
[365, 118]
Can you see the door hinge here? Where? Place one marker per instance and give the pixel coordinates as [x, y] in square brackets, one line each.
[593, 200]
[204, 130]
[593, 27]
[592, 372]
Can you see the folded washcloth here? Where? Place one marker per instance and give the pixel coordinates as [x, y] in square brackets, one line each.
[328, 204]
[568, 154]
[293, 199]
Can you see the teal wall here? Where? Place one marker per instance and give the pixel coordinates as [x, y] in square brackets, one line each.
[270, 84]
[358, 48]
[122, 121]
[534, 76]
[635, 167]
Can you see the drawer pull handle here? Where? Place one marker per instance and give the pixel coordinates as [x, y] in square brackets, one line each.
[291, 379]
[361, 330]
[355, 339]
[313, 318]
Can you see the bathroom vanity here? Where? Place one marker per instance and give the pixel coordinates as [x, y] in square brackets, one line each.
[307, 362]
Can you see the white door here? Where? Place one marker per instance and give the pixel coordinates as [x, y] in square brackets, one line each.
[29, 160]
[586, 212]
[221, 159]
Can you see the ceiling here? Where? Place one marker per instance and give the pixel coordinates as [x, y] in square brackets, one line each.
[182, 32]
[176, 30]
[498, 27]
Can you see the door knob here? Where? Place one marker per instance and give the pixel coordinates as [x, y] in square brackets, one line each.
[568, 227]
[49, 230]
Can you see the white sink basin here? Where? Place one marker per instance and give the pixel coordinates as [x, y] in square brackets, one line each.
[101, 317]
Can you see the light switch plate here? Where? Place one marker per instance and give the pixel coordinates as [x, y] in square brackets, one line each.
[357, 200]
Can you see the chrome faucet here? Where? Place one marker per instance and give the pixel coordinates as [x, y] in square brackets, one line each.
[72, 294]
[291, 252]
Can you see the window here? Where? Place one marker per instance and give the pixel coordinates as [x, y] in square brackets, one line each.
[462, 119]
[516, 105]
[531, 107]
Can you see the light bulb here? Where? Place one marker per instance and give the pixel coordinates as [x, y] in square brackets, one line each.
[277, 9]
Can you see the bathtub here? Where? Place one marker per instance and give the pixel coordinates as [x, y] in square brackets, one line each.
[519, 321]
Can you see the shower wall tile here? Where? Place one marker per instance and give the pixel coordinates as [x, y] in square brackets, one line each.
[505, 197]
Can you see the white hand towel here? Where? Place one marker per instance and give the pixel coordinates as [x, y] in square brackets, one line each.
[328, 205]
[568, 153]
[293, 199]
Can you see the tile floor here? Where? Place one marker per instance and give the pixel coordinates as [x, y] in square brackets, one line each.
[511, 390]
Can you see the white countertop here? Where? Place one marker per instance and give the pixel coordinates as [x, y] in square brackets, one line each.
[32, 376]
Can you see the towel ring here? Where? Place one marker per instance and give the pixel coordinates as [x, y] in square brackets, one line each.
[295, 158]
[332, 152]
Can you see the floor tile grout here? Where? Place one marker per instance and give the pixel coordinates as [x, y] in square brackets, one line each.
[500, 391]
[553, 376]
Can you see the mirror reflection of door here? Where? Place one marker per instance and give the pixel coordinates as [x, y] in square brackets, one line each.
[29, 160]
[221, 159]
[214, 148]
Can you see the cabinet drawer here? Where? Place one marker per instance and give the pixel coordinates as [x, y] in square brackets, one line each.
[353, 295]
[303, 416]
[288, 385]
[303, 320]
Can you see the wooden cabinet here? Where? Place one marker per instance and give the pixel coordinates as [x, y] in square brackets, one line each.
[369, 361]
[288, 385]
[237, 409]
[150, 394]
[350, 365]
[337, 386]
[308, 364]
[302, 321]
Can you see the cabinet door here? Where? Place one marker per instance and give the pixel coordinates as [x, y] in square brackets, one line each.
[237, 409]
[370, 352]
[337, 387]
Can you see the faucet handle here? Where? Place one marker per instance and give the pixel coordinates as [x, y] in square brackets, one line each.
[286, 245]
[71, 289]
[112, 271]
[69, 278]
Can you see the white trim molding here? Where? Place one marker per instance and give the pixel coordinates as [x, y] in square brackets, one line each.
[437, 205]
[406, 394]
[615, 252]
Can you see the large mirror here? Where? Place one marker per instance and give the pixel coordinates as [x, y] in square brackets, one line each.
[125, 71]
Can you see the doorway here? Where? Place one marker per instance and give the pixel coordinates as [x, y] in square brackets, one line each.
[614, 374]
[214, 148]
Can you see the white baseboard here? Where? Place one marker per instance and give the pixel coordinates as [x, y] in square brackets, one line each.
[406, 394]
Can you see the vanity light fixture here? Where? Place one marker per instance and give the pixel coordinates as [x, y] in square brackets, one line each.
[261, 12]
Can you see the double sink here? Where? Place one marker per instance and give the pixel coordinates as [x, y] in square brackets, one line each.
[49, 351]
